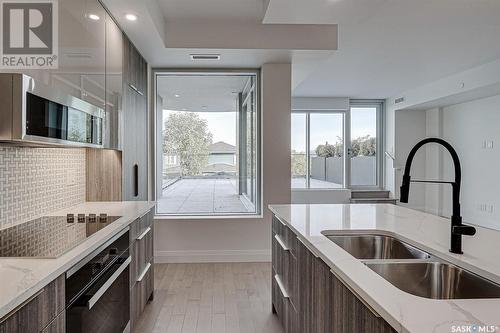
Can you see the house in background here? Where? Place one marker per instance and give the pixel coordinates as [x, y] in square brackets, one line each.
[221, 159]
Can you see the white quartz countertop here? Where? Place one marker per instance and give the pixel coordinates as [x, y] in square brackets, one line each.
[405, 312]
[21, 278]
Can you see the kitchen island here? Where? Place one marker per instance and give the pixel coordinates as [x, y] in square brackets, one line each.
[380, 305]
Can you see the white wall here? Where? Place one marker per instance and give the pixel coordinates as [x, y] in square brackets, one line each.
[466, 126]
[241, 239]
[475, 83]
[409, 130]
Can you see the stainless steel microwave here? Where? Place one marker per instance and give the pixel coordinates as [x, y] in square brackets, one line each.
[34, 113]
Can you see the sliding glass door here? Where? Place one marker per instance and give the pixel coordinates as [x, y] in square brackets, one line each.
[317, 150]
[365, 159]
[337, 149]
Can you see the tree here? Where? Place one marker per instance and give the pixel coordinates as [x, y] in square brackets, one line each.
[299, 162]
[187, 136]
[364, 146]
[328, 150]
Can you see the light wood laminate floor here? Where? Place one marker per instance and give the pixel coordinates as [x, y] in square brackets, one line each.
[211, 298]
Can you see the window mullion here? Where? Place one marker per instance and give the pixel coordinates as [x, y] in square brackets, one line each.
[308, 150]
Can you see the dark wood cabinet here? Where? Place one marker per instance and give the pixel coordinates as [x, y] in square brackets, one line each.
[350, 314]
[141, 266]
[308, 297]
[135, 69]
[135, 152]
[38, 313]
[58, 325]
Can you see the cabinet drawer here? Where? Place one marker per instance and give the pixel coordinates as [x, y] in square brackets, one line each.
[277, 255]
[140, 294]
[135, 263]
[58, 325]
[285, 310]
[147, 220]
[135, 229]
[145, 249]
[285, 265]
[146, 286]
[286, 235]
[277, 298]
[38, 312]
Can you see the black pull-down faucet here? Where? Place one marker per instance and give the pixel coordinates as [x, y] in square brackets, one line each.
[457, 228]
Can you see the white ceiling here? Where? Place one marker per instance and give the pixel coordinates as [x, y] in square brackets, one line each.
[385, 46]
[208, 10]
[388, 46]
[200, 93]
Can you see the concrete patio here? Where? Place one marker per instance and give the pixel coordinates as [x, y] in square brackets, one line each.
[201, 196]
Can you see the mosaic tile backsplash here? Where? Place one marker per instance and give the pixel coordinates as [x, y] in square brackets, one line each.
[37, 181]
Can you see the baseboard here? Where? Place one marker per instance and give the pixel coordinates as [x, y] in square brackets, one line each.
[212, 256]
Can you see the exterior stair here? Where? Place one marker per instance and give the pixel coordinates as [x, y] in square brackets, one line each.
[370, 197]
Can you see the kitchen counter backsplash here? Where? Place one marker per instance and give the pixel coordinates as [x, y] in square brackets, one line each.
[35, 181]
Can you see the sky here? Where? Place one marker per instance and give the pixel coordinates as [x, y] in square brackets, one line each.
[324, 127]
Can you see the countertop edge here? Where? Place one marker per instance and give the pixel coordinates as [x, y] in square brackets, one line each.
[28, 293]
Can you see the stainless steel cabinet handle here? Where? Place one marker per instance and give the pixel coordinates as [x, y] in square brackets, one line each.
[281, 243]
[281, 286]
[143, 274]
[136, 90]
[355, 294]
[277, 218]
[94, 299]
[141, 236]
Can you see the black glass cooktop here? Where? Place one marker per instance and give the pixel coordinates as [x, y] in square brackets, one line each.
[48, 236]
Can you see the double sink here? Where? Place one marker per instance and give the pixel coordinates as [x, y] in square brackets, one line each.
[413, 270]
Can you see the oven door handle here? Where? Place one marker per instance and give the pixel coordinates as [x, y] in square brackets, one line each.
[95, 298]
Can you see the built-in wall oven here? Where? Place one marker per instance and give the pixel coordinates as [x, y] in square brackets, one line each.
[33, 112]
[98, 290]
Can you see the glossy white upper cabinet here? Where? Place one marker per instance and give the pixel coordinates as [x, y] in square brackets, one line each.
[82, 43]
[82, 33]
[114, 85]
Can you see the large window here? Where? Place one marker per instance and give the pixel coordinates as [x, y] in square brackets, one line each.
[337, 149]
[364, 146]
[207, 144]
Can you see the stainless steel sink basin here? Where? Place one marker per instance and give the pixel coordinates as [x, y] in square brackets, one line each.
[437, 280]
[370, 246]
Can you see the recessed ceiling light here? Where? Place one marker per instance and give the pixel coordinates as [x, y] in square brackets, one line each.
[177, 95]
[213, 56]
[94, 17]
[131, 17]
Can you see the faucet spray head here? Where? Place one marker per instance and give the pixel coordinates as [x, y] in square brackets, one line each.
[405, 189]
